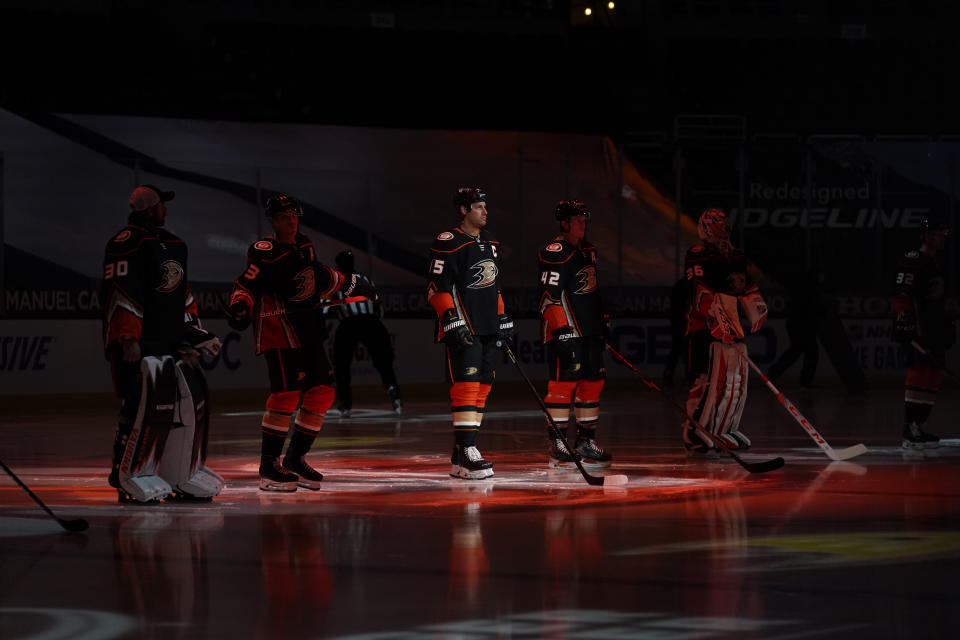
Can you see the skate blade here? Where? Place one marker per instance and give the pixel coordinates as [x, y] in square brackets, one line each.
[273, 485]
[466, 474]
[313, 485]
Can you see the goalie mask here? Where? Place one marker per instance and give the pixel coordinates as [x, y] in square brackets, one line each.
[466, 196]
[566, 209]
[713, 229]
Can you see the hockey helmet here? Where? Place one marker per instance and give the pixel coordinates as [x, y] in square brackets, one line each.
[345, 262]
[280, 203]
[933, 224]
[466, 196]
[566, 209]
[712, 227]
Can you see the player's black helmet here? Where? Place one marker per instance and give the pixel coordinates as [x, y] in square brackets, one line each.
[933, 224]
[466, 196]
[566, 209]
[344, 261]
[280, 203]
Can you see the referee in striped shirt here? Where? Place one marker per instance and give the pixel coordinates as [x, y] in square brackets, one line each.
[361, 322]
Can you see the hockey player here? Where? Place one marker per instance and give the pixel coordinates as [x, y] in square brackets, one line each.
[574, 329]
[719, 283]
[151, 334]
[464, 290]
[280, 291]
[921, 317]
[361, 322]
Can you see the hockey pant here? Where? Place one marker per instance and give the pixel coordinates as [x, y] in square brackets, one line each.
[167, 448]
[717, 398]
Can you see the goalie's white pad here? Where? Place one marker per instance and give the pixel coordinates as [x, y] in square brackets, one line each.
[182, 464]
[204, 483]
[755, 308]
[723, 394]
[138, 473]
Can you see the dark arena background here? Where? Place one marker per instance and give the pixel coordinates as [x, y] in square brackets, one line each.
[826, 130]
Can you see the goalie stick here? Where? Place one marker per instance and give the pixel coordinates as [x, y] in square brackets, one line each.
[833, 454]
[596, 481]
[70, 525]
[753, 467]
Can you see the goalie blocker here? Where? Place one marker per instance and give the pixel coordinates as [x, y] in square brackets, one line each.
[167, 448]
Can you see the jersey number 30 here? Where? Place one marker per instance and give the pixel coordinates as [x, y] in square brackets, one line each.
[115, 269]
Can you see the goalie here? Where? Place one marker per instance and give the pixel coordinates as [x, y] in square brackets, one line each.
[719, 284]
[152, 338]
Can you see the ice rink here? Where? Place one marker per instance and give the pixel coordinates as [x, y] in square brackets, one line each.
[392, 547]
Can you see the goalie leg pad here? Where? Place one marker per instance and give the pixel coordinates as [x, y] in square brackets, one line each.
[138, 474]
[716, 399]
[182, 465]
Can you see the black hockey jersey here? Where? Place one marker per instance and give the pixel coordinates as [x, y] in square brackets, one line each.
[921, 289]
[467, 268]
[145, 291]
[709, 272]
[568, 282]
[282, 286]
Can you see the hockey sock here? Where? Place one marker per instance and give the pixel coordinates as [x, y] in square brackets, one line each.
[559, 395]
[463, 409]
[300, 442]
[482, 394]
[271, 444]
[916, 412]
[316, 401]
[276, 421]
[586, 406]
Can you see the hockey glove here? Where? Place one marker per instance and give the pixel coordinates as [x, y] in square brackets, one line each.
[568, 349]
[238, 316]
[200, 340]
[505, 333]
[455, 332]
[358, 286]
[755, 309]
[904, 326]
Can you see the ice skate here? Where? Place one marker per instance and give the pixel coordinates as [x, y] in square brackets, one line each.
[916, 438]
[591, 453]
[697, 447]
[467, 462]
[393, 392]
[309, 478]
[273, 477]
[559, 455]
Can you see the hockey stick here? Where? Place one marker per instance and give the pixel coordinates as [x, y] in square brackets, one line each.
[940, 365]
[70, 525]
[752, 467]
[842, 454]
[609, 481]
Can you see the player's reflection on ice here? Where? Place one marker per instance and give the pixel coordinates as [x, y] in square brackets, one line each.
[297, 583]
[297, 552]
[469, 564]
[162, 573]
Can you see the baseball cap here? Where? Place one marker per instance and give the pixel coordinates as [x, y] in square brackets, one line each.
[147, 195]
